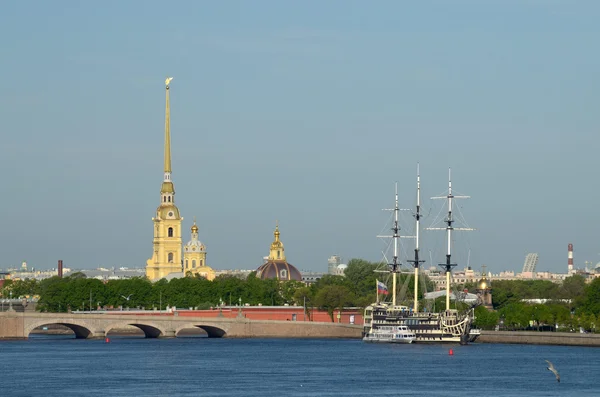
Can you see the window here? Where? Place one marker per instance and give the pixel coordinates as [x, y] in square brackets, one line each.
[193, 263]
[170, 257]
[283, 274]
[169, 199]
[170, 232]
[186, 263]
[201, 262]
[278, 254]
[164, 199]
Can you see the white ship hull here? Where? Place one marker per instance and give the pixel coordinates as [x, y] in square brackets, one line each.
[390, 334]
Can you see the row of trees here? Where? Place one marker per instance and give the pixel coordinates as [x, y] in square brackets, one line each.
[572, 303]
[76, 292]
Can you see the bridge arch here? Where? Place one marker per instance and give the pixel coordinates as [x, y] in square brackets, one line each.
[211, 330]
[82, 331]
[149, 330]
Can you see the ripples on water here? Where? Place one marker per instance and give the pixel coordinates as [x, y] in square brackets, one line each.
[290, 367]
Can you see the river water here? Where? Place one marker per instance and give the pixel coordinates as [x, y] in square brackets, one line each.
[60, 366]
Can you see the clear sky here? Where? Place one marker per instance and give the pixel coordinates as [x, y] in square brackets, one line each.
[303, 112]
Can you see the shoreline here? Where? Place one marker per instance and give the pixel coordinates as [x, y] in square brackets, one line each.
[539, 338]
[492, 337]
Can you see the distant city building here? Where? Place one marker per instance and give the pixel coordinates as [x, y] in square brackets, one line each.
[531, 261]
[121, 273]
[332, 263]
[340, 270]
[309, 278]
[276, 266]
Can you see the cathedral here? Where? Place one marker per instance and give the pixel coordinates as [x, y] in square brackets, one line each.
[166, 260]
[276, 265]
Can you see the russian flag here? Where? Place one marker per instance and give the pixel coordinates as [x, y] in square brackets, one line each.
[381, 288]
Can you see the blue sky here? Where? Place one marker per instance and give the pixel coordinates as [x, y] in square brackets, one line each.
[305, 112]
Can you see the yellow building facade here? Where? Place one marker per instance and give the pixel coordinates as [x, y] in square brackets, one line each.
[194, 257]
[166, 257]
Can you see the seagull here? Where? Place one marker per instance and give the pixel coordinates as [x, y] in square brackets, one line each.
[126, 297]
[554, 371]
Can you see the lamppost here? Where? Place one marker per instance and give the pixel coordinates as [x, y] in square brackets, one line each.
[10, 308]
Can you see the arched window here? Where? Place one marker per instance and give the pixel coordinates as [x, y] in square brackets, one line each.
[283, 274]
[278, 254]
[170, 257]
[201, 263]
[193, 263]
[170, 231]
[164, 199]
[186, 263]
[169, 200]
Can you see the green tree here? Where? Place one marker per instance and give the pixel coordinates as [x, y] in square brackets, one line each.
[485, 319]
[362, 276]
[332, 297]
[573, 287]
[590, 300]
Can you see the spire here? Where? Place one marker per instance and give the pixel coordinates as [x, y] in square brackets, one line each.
[167, 186]
[276, 232]
[194, 227]
[167, 132]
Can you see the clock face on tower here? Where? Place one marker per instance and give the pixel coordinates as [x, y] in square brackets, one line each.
[170, 214]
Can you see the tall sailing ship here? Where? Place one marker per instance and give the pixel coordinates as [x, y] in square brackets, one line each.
[450, 325]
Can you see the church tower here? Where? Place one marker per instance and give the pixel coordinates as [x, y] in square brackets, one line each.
[277, 252]
[166, 257]
[484, 291]
[194, 253]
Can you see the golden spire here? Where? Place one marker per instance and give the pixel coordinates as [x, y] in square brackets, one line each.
[194, 227]
[167, 129]
[276, 232]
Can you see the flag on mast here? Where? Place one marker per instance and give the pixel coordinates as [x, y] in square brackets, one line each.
[381, 288]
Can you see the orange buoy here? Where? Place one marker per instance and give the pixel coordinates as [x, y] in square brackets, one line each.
[451, 352]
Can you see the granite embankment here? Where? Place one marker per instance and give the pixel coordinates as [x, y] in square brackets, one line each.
[540, 338]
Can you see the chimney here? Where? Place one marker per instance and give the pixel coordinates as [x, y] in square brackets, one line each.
[570, 260]
[60, 268]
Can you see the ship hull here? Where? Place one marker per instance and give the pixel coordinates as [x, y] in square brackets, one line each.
[445, 327]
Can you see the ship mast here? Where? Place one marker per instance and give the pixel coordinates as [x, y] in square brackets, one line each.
[449, 228]
[395, 265]
[416, 262]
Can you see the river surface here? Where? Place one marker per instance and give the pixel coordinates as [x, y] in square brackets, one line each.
[60, 366]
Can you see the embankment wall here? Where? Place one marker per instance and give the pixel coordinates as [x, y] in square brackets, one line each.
[539, 338]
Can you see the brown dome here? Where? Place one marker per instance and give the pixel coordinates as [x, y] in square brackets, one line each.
[280, 270]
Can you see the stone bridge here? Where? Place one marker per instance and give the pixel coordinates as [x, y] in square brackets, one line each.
[16, 325]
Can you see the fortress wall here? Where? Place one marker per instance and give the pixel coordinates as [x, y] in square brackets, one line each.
[539, 338]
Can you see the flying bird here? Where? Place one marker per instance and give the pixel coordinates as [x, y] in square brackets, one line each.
[126, 297]
[554, 371]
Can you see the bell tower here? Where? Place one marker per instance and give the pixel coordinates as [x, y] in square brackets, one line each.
[277, 252]
[194, 253]
[166, 257]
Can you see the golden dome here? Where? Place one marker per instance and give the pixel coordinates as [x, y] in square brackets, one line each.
[484, 284]
[194, 228]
